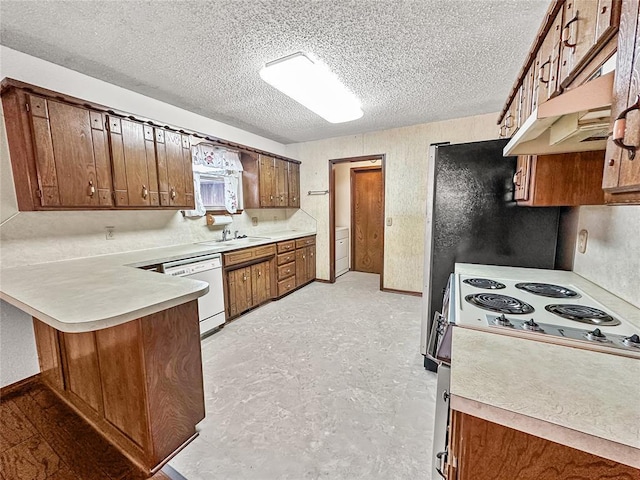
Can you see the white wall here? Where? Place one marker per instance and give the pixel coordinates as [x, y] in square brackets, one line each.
[406, 152]
[612, 258]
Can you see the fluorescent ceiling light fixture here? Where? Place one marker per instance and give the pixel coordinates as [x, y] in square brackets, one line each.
[313, 85]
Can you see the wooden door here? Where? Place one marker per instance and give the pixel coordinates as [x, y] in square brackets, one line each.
[266, 181]
[71, 154]
[293, 179]
[367, 210]
[555, 34]
[261, 282]
[48, 354]
[82, 368]
[548, 59]
[240, 294]
[281, 188]
[301, 266]
[521, 179]
[135, 177]
[175, 172]
[579, 33]
[619, 170]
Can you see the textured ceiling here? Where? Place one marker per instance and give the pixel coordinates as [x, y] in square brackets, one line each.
[409, 62]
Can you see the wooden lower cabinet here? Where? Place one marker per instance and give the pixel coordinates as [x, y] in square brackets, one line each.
[305, 264]
[261, 282]
[139, 384]
[482, 450]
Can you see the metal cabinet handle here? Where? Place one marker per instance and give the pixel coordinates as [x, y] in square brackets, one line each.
[259, 273]
[441, 457]
[620, 127]
[92, 189]
[508, 122]
[145, 192]
[303, 257]
[566, 32]
[271, 197]
[244, 277]
[516, 178]
[541, 72]
[173, 193]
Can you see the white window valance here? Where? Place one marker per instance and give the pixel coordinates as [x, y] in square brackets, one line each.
[213, 160]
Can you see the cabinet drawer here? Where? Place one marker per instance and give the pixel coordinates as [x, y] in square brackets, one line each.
[286, 285]
[248, 254]
[342, 249]
[265, 251]
[303, 242]
[286, 246]
[239, 256]
[342, 232]
[342, 266]
[285, 271]
[286, 258]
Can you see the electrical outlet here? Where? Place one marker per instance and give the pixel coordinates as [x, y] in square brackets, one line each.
[582, 240]
[389, 221]
[111, 233]
[254, 221]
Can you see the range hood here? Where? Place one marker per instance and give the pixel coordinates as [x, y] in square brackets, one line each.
[576, 121]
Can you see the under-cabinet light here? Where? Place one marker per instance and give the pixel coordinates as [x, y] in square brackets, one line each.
[314, 86]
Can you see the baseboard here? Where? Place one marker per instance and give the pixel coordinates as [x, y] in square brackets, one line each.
[402, 292]
[322, 280]
[20, 386]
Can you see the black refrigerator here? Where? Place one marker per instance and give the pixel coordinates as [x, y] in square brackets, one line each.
[473, 218]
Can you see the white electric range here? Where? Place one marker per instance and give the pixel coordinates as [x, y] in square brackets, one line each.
[541, 310]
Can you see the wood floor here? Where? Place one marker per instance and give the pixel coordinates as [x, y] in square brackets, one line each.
[43, 439]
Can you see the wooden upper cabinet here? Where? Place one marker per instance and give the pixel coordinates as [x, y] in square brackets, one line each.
[587, 26]
[135, 176]
[270, 182]
[548, 62]
[622, 168]
[175, 171]
[71, 154]
[293, 179]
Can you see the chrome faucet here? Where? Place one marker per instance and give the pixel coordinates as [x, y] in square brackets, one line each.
[225, 234]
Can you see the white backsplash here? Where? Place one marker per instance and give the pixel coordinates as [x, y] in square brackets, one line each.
[612, 259]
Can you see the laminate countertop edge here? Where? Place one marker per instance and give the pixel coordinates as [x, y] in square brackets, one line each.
[601, 447]
[93, 293]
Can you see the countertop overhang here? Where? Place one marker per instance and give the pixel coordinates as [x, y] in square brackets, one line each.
[92, 293]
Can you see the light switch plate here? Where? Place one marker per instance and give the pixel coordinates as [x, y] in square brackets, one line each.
[582, 240]
[254, 221]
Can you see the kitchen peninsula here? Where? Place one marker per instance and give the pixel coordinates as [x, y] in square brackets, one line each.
[120, 342]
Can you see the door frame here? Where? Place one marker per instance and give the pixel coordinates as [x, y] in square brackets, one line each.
[352, 179]
[332, 209]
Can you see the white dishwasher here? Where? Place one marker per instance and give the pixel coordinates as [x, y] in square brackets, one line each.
[206, 268]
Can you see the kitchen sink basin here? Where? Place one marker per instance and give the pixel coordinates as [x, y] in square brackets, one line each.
[235, 241]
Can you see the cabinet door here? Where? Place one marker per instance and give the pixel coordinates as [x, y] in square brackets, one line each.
[301, 266]
[521, 179]
[175, 172]
[311, 262]
[135, 178]
[579, 33]
[266, 181]
[548, 58]
[82, 368]
[71, 154]
[294, 184]
[240, 295]
[621, 173]
[281, 183]
[260, 282]
[48, 354]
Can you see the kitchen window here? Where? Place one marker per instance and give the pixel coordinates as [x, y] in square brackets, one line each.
[217, 176]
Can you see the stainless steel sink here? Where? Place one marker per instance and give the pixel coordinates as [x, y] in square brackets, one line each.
[235, 241]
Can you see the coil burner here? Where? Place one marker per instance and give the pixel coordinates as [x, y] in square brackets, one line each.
[499, 303]
[547, 290]
[583, 314]
[485, 283]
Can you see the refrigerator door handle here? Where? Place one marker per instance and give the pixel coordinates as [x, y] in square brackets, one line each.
[432, 345]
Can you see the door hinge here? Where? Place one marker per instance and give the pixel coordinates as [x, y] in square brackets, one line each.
[26, 105]
[39, 193]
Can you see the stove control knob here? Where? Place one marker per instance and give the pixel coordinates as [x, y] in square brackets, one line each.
[632, 341]
[597, 335]
[532, 326]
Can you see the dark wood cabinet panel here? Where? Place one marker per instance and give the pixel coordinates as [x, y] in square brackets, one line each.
[175, 172]
[82, 368]
[135, 178]
[267, 181]
[48, 354]
[71, 154]
[487, 451]
[621, 179]
[293, 179]
[568, 179]
[123, 382]
[239, 290]
[261, 282]
[281, 184]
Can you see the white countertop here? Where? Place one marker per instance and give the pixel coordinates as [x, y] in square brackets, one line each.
[93, 293]
[593, 392]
